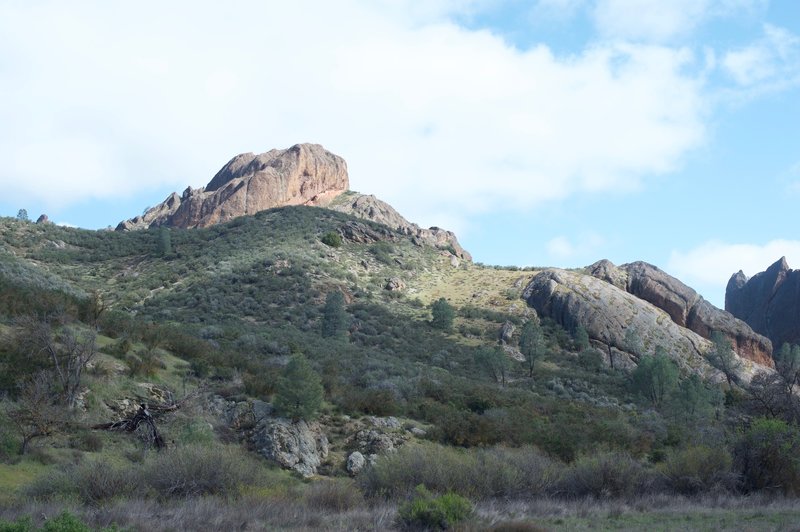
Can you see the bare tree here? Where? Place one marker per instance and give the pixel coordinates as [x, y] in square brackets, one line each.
[35, 414]
[68, 352]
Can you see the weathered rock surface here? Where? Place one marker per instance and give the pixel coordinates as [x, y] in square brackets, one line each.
[607, 312]
[685, 306]
[297, 445]
[371, 208]
[355, 463]
[305, 174]
[769, 302]
[507, 332]
[395, 284]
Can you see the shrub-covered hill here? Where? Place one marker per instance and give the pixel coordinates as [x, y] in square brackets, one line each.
[388, 327]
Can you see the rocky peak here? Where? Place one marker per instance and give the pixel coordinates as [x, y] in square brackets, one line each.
[305, 174]
[769, 301]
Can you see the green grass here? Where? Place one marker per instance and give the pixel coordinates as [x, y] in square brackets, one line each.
[15, 476]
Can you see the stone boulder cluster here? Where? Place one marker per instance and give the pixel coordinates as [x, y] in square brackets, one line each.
[609, 301]
[769, 302]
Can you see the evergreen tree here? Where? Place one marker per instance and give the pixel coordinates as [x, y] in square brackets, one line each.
[164, 242]
[334, 318]
[443, 314]
[299, 392]
[581, 338]
[495, 362]
[633, 342]
[531, 344]
[656, 377]
[22, 215]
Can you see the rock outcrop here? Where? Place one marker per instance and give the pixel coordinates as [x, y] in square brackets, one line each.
[685, 306]
[371, 208]
[297, 445]
[769, 302]
[305, 174]
[608, 311]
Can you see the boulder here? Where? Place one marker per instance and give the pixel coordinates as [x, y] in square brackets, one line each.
[305, 174]
[506, 332]
[685, 306]
[395, 284]
[297, 445]
[769, 302]
[355, 463]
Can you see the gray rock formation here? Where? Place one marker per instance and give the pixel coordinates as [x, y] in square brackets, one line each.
[297, 445]
[355, 463]
[507, 332]
[769, 302]
[607, 312]
[305, 174]
[685, 306]
[371, 208]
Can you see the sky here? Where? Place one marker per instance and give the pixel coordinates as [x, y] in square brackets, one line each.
[544, 133]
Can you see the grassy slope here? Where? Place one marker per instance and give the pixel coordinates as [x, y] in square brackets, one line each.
[260, 281]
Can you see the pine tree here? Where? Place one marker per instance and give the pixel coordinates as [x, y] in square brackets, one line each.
[164, 242]
[334, 318]
[443, 314]
[299, 392]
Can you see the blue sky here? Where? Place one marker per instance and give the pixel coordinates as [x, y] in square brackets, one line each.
[550, 132]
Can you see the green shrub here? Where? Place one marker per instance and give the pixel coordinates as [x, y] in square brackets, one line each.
[382, 251]
[767, 457]
[442, 314]
[332, 239]
[474, 473]
[90, 481]
[22, 524]
[605, 475]
[65, 522]
[697, 469]
[426, 511]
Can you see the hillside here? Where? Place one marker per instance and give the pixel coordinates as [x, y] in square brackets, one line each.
[204, 322]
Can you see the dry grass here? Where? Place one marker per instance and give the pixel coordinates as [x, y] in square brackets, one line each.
[284, 512]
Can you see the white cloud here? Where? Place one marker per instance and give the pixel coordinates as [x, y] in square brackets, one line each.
[713, 262]
[772, 62]
[663, 20]
[98, 100]
[562, 248]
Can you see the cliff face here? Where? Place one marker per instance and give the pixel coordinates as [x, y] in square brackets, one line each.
[685, 306]
[305, 174]
[769, 302]
[609, 301]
